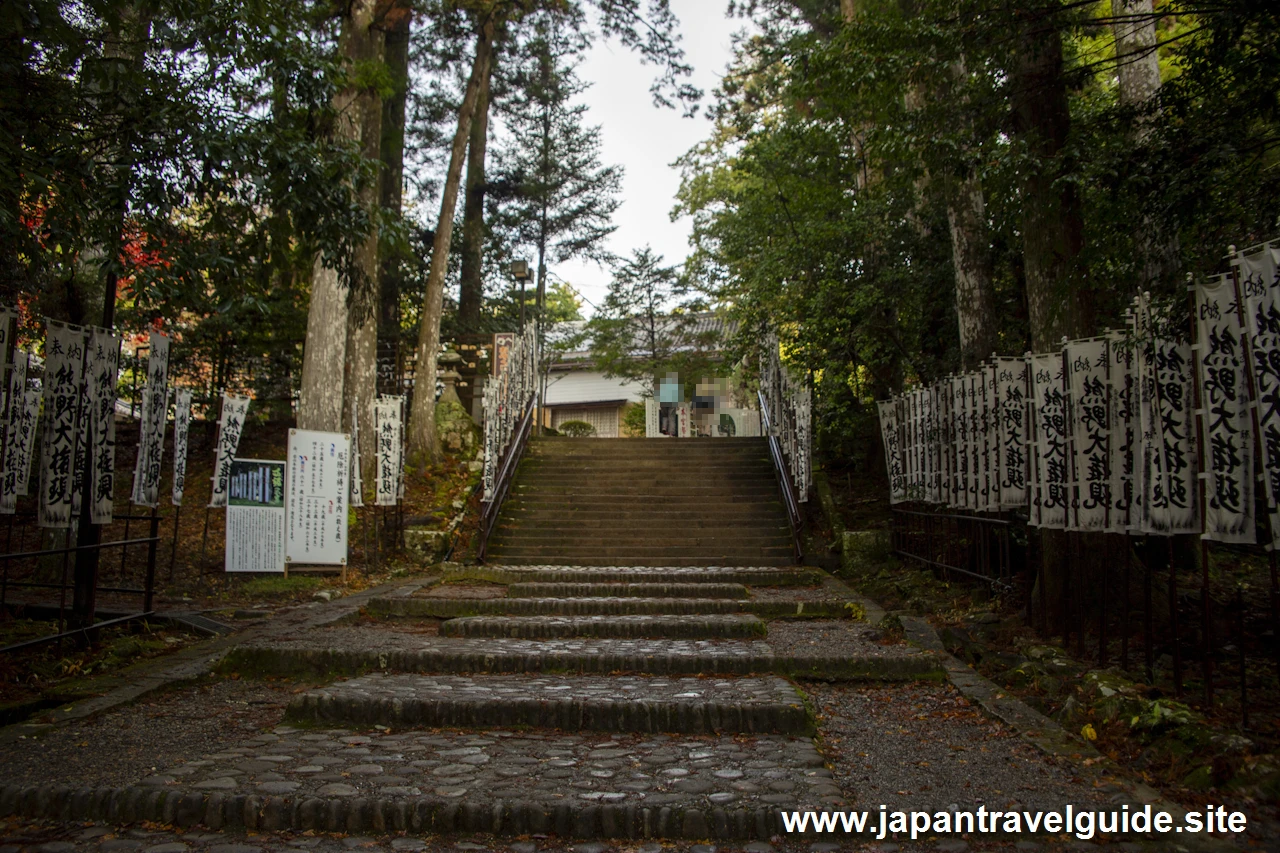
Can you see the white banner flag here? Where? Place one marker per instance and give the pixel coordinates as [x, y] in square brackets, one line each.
[1122, 413]
[63, 377]
[15, 443]
[357, 486]
[1049, 421]
[155, 411]
[386, 412]
[1013, 431]
[946, 448]
[181, 431]
[960, 410]
[1087, 364]
[103, 371]
[235, 409]
[1225, 420]
[890, 435]
[990, 437]
[1260, 286]
[1170, 480]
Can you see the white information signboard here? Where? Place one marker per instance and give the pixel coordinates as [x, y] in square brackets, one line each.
[255, 516]
[316, 494]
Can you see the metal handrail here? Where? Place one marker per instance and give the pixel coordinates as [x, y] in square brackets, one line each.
[785, 481]
[502, 483]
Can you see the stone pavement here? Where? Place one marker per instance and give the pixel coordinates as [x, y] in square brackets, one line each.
[537, 725]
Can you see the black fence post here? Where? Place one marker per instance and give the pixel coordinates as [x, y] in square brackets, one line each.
[149, 595]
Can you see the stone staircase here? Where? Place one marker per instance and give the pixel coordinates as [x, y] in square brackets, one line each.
[631, 690]
[644, 502]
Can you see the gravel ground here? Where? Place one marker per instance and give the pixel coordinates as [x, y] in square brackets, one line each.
[122, 746]
[923, 746]
[42, 837]
[830, 637]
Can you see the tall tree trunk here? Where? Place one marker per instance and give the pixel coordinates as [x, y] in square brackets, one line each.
[423, 442]
[360, 370]
[320, 403]
[1060, 303]
[971, 258]
[1138, 75]
[398, 26]
[471, 288]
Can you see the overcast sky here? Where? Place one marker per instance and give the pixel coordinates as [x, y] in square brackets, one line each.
[646, 139]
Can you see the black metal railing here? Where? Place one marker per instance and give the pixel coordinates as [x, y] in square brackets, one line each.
[506, 471]
[785, 480]
[973, 546]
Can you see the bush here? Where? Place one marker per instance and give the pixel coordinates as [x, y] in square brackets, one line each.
[577, 429]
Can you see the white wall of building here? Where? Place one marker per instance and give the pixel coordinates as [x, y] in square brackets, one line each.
[589, 386]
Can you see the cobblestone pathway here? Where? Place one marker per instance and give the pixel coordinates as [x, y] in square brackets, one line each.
[533, 720]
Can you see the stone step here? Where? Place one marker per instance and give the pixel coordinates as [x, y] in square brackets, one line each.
[637, 446]
[515, 509]
[671, 531]
[628, 704]
[655, 478]
[503, 548]
[592, 656]
[672, 541]
[729, 626]
[648, 468]
[452, 608]
[751, 576]
[516, 558]
[626, 590]
[510, 784]
[672, 491]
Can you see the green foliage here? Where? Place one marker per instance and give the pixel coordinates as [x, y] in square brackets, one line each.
[649, 325]
[633, 421]
[577, 429]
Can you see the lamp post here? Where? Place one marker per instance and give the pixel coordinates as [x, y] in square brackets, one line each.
[520, 271]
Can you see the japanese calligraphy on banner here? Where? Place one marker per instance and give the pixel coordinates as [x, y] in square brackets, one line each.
[8, 325]
[959, 444]
[1012, 431]
[16, 441]
[1049, 421]
[389, 424]
[181, 431]
[64, 373]
[946, 450]
[1087, 364]
[1260, 288]
[155, 411]
[235, 409]
[891, 437]
[1121, 411]
[990, 438]
[1225, 420]
[102, 370]
[316, 492]
[357, 484]
[255, 516]
[1172, 506]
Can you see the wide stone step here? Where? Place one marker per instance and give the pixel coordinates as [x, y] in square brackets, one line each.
[510, 784]
[673, 541]
[630, 704]
[520, 559]
[452, 608]
[555, 475]
[626, 590]
[601, 489]
[752, 576]
[730, 626]
[672, 532]
[592, 656]
[707, 554]
[705, 516]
